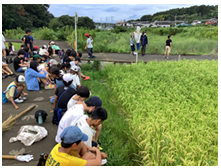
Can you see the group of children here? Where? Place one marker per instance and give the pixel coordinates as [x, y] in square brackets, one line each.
[77, 133]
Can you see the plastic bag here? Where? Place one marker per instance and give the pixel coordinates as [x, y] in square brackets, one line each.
[29, 134]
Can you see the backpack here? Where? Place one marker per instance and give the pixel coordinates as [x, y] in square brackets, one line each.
[4, 99]
[58, 112]
[42, 160]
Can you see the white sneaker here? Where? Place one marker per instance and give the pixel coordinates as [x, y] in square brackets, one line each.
[18, 100]
[22, 98]
[103, 161]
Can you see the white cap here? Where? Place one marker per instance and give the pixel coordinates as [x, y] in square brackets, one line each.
[75, 68]
[68, 77]
[45, 46]
[52, 42]
[53, 61]
[21, 79]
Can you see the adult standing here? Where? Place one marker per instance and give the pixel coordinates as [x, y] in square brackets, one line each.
[137, 35]
[144, 42]
[26, 39]
[3, 46]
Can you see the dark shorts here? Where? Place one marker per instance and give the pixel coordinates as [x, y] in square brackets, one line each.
[132, 48]
[94, 144]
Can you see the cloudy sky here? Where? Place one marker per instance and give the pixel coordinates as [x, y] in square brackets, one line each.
[118, 12]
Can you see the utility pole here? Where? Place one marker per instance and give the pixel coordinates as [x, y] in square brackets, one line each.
[101, 22]
[76, 20]
[106, 21]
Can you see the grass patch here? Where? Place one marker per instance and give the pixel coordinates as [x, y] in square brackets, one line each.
[172, 112]
[115, 137]
[16, 45]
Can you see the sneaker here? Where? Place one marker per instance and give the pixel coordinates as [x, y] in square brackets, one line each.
[103, 161]
[50, 86]
[88, 57]
[22, 98]
[86, 77]
[167, 58]
[18, 100]
[164, 57]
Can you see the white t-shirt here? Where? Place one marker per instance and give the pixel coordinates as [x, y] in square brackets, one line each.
[72, 102]
[89, 43]
[86, 129]
[43, 51]
[69, 118]
[76, 80]
[3, 44]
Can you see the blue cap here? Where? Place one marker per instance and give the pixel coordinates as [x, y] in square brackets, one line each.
[73, 134]
[96, 101]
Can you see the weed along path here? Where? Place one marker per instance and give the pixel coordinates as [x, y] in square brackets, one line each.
[119, 56]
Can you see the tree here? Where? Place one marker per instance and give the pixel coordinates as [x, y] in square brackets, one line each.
[86, 22]
[146, 18]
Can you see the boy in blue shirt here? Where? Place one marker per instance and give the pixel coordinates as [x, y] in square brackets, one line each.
[26, 56]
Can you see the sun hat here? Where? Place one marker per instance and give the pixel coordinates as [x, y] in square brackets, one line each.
[95, 101]
[75, 68]
[21, 79]
[68, 77]
[72, 134]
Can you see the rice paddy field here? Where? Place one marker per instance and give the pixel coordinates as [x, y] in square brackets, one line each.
[160, 113]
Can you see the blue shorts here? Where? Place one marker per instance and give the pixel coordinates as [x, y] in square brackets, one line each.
[132, 48]
[20, 70]
[16, 93]
[138, 46]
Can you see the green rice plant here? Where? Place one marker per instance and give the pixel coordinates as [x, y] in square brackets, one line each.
[171, 109]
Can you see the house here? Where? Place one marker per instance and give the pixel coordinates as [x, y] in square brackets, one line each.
[121, 23]
[161, 23]
[195, 22]
[183, 24]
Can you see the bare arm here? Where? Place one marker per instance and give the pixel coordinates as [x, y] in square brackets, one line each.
[86, 45]
[12, 100]
[170, 44]
[97, 160]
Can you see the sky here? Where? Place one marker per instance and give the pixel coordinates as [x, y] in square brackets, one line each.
[112, 13]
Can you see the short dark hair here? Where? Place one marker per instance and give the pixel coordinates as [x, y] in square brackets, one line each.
[22, 45]
[73, 53]
[44, 56]
[42, 47]
[83, 91]
[67, 53]
[66, 65]
[16, 79]
[34, 65]
[80, 54]
[99, 113]
[67, 83]
[55, 71]
[21, 52]
[26, 49]
[27, 31]
[168, 36]
[66, 145]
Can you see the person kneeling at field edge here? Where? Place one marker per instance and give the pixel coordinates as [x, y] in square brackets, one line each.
[15, 89]
[72, 152]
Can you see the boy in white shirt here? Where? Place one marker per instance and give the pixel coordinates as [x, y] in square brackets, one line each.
[82, 94]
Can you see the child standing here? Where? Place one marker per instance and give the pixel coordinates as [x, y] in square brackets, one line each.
[168, 47]
[132, 45]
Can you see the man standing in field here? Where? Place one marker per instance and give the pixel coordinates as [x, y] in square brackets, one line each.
[168, 47]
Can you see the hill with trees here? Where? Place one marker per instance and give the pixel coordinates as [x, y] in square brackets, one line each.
[188, 14]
